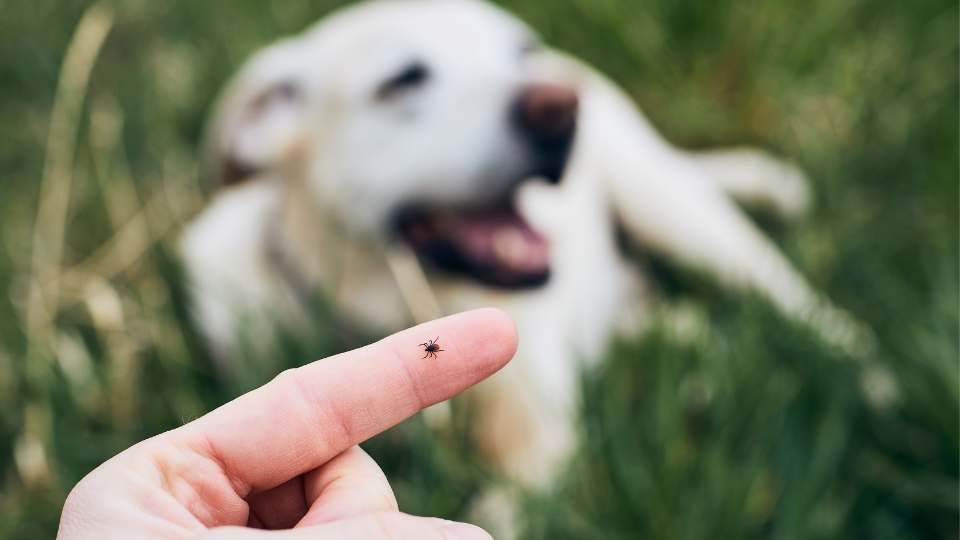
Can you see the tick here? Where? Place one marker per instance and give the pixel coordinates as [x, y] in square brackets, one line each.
[431, 347]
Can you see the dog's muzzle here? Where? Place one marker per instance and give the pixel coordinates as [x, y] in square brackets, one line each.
[493, 244]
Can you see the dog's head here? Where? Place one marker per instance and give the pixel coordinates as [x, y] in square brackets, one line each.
[413, 119]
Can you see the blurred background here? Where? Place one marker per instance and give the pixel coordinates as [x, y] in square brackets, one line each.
[750, 429]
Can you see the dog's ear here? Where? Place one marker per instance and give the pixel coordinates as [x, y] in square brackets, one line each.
[258, 124]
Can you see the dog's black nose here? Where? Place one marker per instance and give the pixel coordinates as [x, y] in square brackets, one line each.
[547, 113]
[546, 117]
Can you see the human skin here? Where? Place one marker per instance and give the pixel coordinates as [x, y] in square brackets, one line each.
[282, 461]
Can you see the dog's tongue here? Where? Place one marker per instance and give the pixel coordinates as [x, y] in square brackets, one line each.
[498, 244]
[501, 239]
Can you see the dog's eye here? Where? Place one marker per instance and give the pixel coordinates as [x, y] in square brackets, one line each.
[411, 76]
[530, 46]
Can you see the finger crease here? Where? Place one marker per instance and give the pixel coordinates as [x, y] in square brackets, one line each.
[315, 411]
[240, 487]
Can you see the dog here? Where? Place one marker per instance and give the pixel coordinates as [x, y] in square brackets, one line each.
[410, 158]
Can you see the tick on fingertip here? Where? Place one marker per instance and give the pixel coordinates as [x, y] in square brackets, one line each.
[431, 347]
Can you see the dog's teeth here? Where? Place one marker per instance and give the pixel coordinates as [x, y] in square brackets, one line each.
[510, 246]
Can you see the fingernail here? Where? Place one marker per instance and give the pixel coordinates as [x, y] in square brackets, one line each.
[464, 531]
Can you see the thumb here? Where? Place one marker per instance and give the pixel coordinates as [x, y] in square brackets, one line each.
[380, 526]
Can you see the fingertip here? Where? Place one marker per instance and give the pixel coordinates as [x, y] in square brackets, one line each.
[455, 530]
[497, 332]
[503, 327]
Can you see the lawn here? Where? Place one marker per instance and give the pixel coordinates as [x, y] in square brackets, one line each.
[749, 427]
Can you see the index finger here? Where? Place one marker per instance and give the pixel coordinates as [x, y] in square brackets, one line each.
[308, 415]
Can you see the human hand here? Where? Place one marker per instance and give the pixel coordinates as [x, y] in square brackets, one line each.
[285, 455]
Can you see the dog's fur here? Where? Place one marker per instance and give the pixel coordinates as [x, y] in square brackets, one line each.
[318, 154]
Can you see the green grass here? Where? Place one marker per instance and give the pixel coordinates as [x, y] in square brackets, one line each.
[752, 429]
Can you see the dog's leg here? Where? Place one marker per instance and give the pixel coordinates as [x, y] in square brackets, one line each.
[667, 202]
[755, 178]
[526, 419]
[525, 425]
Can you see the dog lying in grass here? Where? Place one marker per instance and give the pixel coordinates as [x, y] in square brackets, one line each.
[409, 159]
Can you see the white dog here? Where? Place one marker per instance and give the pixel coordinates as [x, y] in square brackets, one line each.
[382, 159]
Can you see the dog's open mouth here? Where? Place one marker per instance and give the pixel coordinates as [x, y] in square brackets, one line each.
[493, 245]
